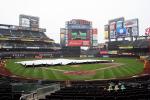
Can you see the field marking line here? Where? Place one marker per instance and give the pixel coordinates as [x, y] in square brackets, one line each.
[56, 69]
[113, 66]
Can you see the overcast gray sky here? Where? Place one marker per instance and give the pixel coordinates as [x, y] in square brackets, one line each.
[54, 13]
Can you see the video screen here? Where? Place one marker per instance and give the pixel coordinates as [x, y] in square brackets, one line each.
[77, 34]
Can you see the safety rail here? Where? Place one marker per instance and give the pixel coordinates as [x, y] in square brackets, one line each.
[41, 92]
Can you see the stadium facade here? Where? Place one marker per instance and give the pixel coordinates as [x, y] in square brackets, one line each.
[26, 40]
[123, 38]
[78, 32]
[119, 28]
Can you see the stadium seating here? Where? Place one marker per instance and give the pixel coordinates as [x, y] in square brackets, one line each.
[132, 89]
[28, 46]
[136, 88]
[5, 32]
[22, 34]
[16, 33]
[113, 45]
[3, 70]
[6, 92]
[15, 44]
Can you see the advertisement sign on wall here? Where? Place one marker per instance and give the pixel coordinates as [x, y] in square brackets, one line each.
[62, 36]
[131, 23]
[25, 22]
[112, 52]
[86, 43]
[113, 23]
[116, 20]
[103, 52]
[147, 31]
[88, 35]
[112, 26]
[135, 31]
[95, 43]
[129, 31]
[94, 31]
[69, 36]
[132, 27]
[94, 37]
[79, 21]
[121, 32]
[112, 34]
[125, 47]
[119, 24]
[63, 30]
[106, 27]
[29, 21]
[132, 31]
[106, 34]
[78, 43]
[119, 28]
[78, 24]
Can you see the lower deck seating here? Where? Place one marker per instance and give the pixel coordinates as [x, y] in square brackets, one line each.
[134, 89]
[6, 91]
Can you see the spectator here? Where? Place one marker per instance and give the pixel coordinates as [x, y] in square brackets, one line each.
[122, 87]
[110, 88]
[116, 88]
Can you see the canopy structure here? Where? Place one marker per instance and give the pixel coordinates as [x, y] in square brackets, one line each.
[60, 62]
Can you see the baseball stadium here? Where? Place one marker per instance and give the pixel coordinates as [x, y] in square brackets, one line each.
[34, 67]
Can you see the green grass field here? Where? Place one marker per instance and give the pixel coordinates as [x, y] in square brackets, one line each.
[128, 67]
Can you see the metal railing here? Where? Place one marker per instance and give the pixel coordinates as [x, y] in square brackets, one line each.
[41, 92]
